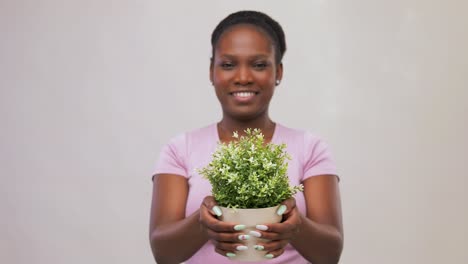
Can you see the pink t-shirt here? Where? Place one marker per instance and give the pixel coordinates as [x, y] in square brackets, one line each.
[191, 150]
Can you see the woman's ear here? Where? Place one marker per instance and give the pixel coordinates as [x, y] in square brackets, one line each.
[279, 73]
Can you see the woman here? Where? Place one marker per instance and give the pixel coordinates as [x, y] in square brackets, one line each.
[247, 49]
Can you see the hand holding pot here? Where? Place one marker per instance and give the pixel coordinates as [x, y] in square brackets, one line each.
[279, 234]
[225, 236]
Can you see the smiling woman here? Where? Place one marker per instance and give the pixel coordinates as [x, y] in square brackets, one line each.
[245, 69]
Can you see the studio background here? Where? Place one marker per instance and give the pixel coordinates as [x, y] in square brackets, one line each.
[91, 90]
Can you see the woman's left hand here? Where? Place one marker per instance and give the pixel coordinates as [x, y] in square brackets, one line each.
[279, 234]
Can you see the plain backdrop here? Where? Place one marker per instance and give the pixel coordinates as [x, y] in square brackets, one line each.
[91, 90]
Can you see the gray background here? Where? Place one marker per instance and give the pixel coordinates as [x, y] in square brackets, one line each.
[91, 90]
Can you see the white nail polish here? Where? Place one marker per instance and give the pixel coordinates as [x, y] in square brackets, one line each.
[281, 209]
[259, 247]
[240, 248]
[255, 233]
[217, 210]
[262, 227]
[239, 227]
[244, 237]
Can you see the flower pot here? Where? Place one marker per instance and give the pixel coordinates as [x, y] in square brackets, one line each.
[250, 218]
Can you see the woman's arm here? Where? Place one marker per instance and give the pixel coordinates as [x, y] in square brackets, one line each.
[320, 236]
[173, 237]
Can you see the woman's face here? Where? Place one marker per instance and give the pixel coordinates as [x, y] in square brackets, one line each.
[244, 72]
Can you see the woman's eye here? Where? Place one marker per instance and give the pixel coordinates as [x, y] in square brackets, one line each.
[260, 65]
[227, 65]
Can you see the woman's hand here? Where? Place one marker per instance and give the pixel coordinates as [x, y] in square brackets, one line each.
[225, 236]
[279, 234]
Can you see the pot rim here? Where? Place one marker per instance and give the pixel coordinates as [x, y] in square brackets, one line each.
[249, 208]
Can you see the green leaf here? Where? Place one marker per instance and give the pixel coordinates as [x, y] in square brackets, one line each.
[247, 173]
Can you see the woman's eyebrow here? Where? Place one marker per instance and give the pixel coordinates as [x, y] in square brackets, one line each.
[260, 56]
[228, 56]
[256, 56]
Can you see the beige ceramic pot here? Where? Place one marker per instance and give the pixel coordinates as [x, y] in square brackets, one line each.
[250, 218]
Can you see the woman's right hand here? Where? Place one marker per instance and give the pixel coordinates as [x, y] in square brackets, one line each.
[225, 236]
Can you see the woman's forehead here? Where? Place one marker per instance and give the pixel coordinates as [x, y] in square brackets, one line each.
[244, 40]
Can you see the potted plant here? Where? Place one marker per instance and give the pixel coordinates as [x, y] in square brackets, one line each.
[249, 181]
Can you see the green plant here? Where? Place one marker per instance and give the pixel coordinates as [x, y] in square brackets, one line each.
[247, 173]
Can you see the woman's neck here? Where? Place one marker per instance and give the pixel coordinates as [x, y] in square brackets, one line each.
[227, 126]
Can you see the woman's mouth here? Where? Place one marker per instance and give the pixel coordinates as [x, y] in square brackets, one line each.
[244, 96]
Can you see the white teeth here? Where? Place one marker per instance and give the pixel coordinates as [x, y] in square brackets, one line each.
[244, 94]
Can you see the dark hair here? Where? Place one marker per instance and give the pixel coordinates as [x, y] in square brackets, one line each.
[255, 18]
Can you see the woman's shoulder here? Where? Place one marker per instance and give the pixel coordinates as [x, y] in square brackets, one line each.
[312, 151]
[299, 135]
[200, 134]
[203, 131]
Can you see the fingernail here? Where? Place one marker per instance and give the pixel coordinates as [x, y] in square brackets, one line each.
[281, 209]
[258, 247]
[255, 233]
[230, 255]
[269, 256]
[239, 227]
[217, 210]
[244, 237]
[261, 227]
[240, 248]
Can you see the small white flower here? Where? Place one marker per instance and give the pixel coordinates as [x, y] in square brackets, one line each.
[268, 165]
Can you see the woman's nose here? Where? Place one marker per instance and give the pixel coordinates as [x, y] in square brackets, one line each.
[243, 76]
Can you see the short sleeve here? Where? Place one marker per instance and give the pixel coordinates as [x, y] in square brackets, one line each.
[172, 158]
[318, 159]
